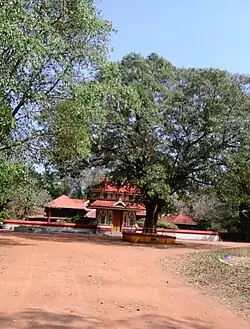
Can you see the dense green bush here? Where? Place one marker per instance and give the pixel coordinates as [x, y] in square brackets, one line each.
[4, 215]
[163, 224]
[140, 222]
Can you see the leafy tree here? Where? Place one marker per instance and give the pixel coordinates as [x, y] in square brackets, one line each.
[168, 130]
[73, 127]
[12, 174]
[20, 192]
[218, 207]
[27, 199]
[210, 211]
[46, 48]
[233, 189]
[75, 186]
[53, 183]
[179, 135]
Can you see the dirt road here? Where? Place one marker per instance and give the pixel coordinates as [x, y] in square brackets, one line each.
[85, 284]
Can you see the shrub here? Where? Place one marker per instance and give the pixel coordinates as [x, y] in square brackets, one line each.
[163, 224]
[140, 222]
[4, 215]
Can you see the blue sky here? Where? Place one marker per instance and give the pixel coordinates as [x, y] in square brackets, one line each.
[189, 33]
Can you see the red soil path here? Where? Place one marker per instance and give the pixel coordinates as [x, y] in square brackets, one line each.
[91, 283]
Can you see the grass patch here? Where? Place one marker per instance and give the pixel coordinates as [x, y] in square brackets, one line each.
[230, 282]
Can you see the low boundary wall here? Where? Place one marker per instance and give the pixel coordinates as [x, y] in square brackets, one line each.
[105, 229]
[188, 234]
[44, 227]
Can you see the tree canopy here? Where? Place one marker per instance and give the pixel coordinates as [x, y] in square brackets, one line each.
[172, 131]
[46, 48]
[168, 130]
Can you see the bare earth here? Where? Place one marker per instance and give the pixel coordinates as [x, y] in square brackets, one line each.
[91, 283]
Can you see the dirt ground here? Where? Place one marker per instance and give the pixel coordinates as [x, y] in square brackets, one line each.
[55, 282]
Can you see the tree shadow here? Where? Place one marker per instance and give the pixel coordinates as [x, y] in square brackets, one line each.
[11, 242]
[110, 240]
[40, 319]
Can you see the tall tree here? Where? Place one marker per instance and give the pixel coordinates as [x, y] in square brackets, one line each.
[179, 136]
[46, 47]
[53, 183]
[167, 130]
[209, 210]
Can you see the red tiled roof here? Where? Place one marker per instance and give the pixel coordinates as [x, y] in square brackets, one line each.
[179, 219]
[115, 204]
[65, 201]
[141, 213]
[139, 206]
[111, 187]
[91, 213]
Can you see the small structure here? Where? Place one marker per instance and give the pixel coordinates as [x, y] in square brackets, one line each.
[65, 207]
[182, 221]
[116, 207]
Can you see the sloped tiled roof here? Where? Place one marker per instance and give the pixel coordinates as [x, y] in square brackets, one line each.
[91, 213]
[179, 219]
[115, 204]
[65, 201]
[141, 213]
[111, 187]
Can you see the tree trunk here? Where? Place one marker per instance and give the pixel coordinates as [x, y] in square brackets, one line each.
[151, 218]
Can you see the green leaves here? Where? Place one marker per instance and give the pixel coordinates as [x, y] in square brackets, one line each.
[177, 133]
[171, 131]
[46, 48]
[11, 175]
[20, 192]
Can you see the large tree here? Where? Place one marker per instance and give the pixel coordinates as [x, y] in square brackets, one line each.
[167, 130]
[46, 48]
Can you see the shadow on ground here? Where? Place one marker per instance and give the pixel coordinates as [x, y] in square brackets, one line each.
[11, 242]
[40, 319]
[103, 240]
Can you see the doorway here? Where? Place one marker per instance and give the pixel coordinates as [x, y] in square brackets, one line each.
[117, 220]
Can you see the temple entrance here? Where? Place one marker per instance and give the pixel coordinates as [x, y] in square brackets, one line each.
[117, 220]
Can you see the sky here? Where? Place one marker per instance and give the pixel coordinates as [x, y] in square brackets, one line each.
[188, 33]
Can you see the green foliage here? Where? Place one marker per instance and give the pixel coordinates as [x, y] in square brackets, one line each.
[53, 183]
[46, 48]
[4, 215]
[75, 127]
[176, 134]
[76, 219]
[166, 225]
[20, 192]
[140, 222]
[168, 130]
[62, 221]
[27, 199]
[12, 174]
[234, 187]
[210, 211]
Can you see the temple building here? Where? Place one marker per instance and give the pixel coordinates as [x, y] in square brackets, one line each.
[116, 207]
